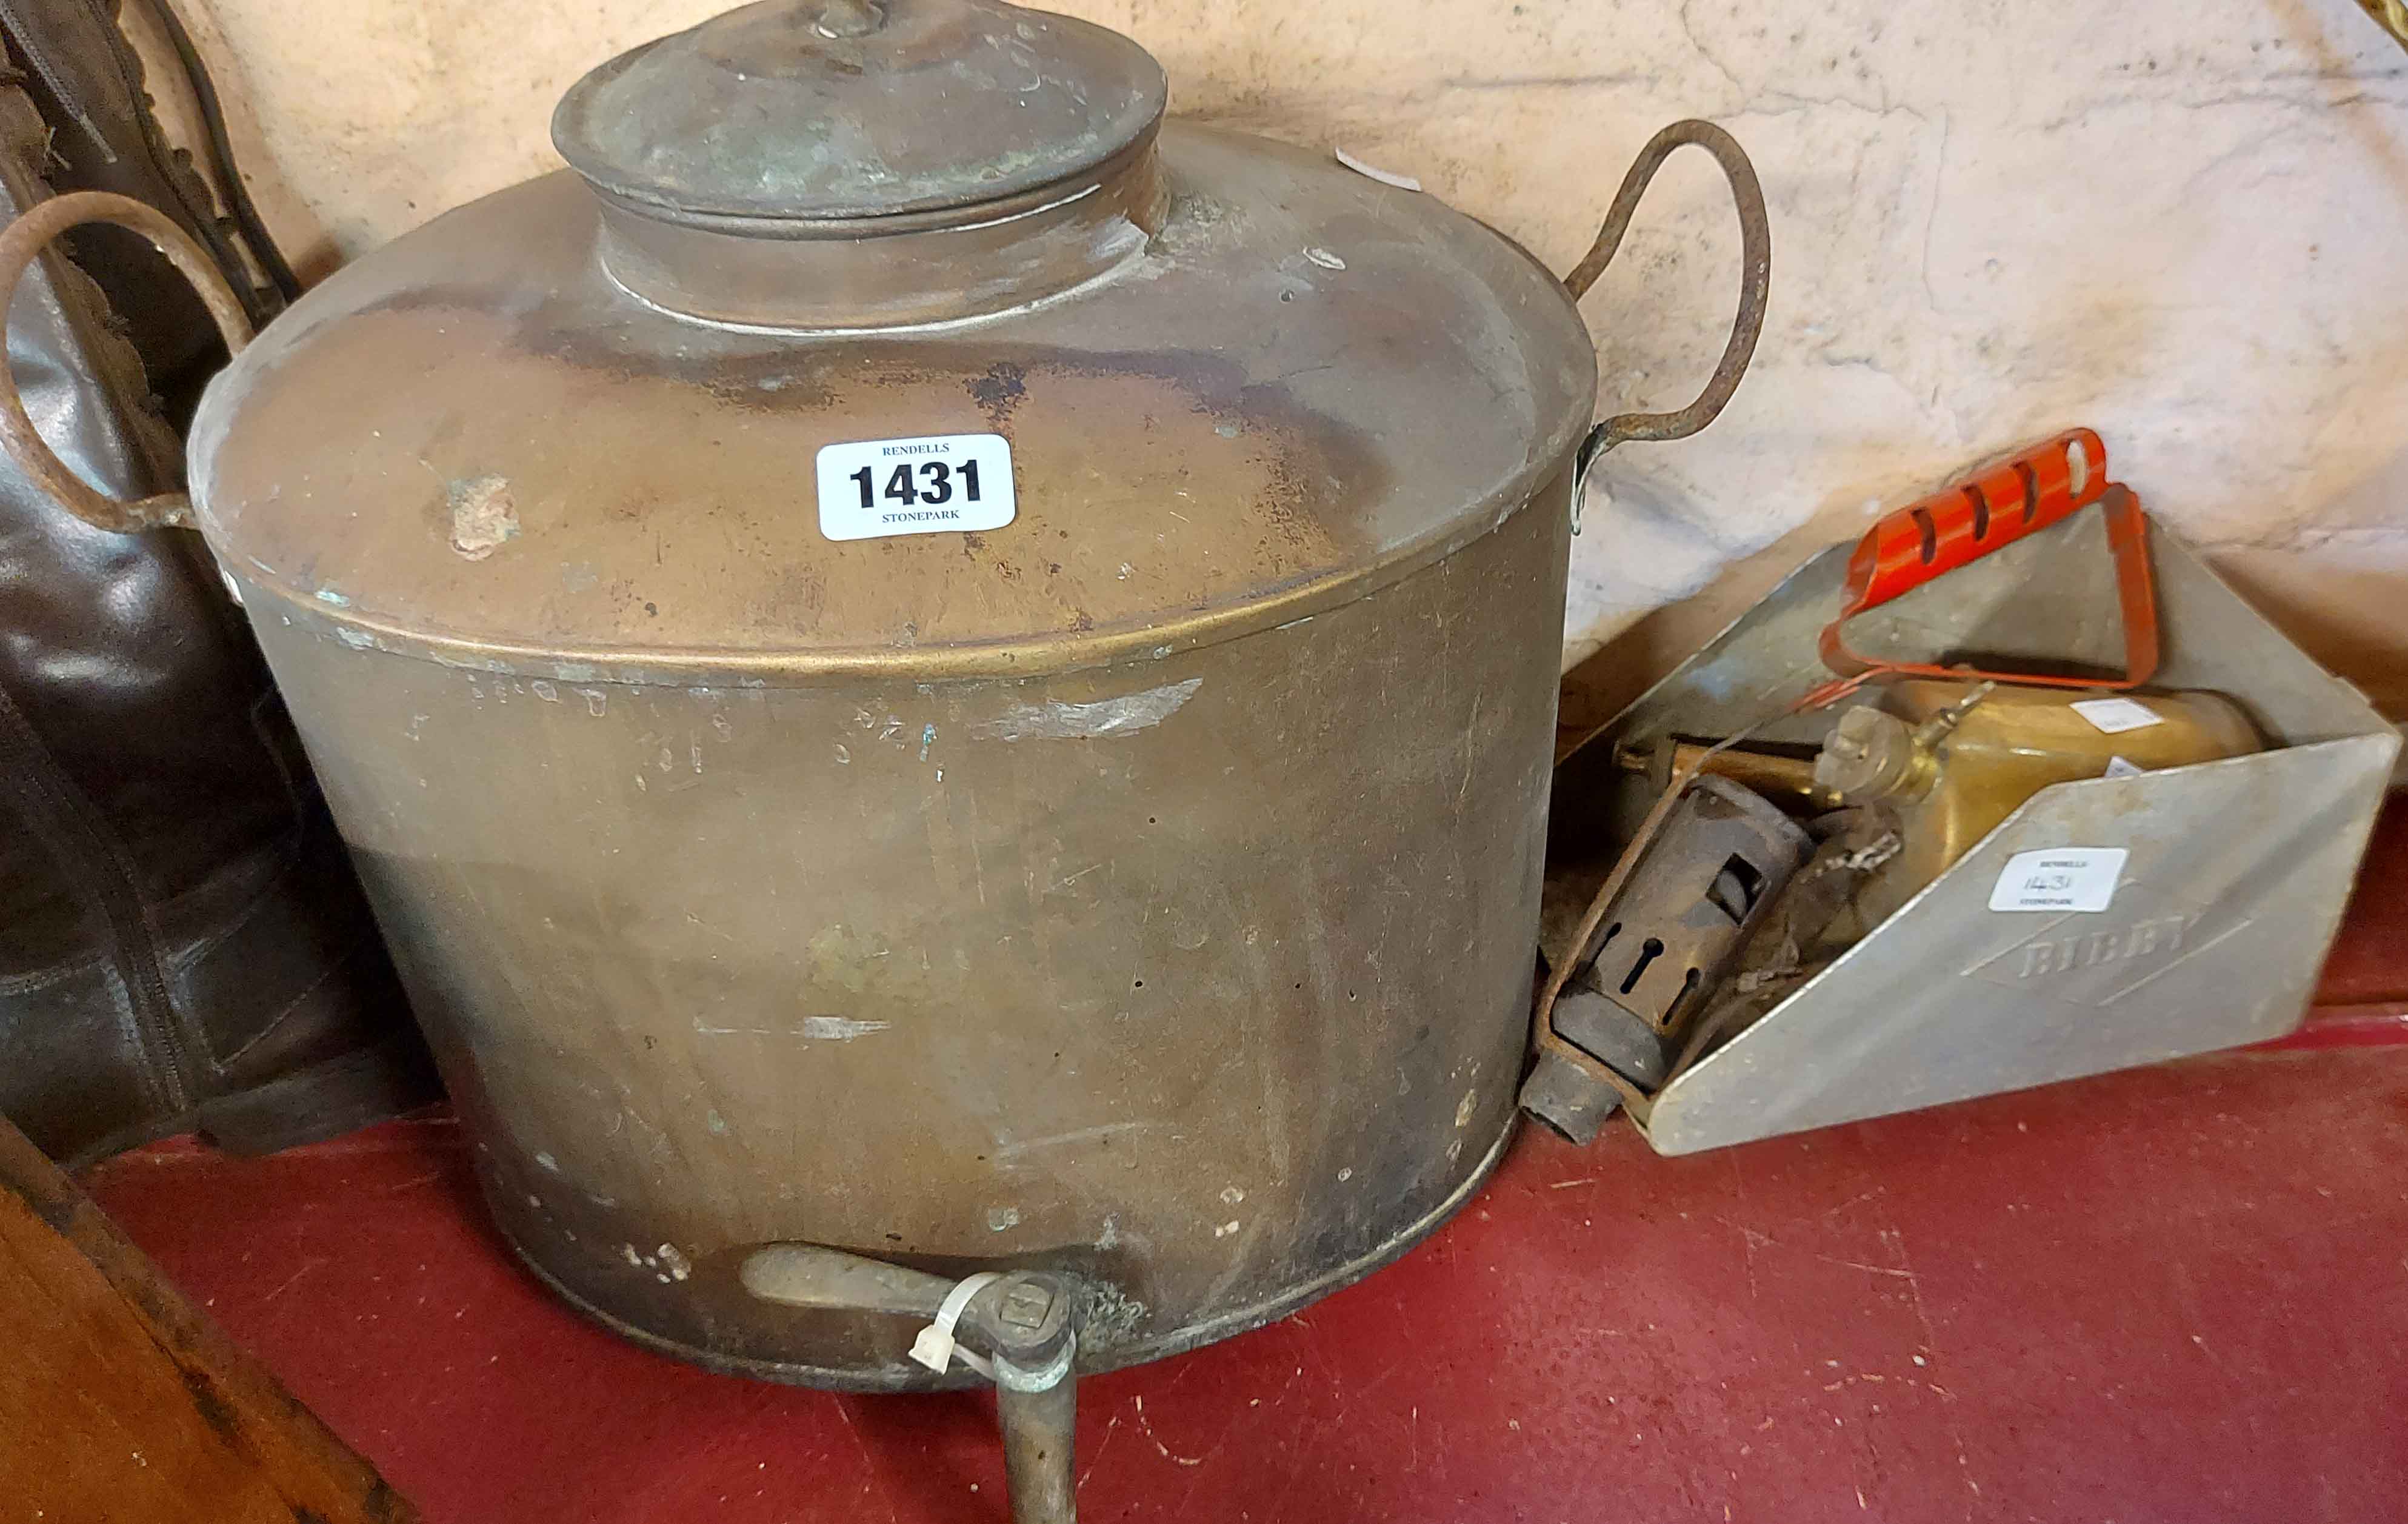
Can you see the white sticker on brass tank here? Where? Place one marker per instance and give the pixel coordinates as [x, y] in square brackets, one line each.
[2080, 879]
[937, 484]
[2114, 716]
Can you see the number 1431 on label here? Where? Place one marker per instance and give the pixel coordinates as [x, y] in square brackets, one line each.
[936, 484]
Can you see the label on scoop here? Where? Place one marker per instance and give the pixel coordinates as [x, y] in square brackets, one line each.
[2060, 878]
[938, 484]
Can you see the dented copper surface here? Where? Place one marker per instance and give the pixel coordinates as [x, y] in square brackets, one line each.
[1223, 436]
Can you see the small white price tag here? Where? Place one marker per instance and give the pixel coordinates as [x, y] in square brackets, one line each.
[2060, 878]
[2114, 716]
[2121, 768]
[936, 484]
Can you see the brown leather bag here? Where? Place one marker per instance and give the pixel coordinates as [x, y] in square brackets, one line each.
[182, 943]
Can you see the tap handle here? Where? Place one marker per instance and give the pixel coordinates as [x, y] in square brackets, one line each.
[814, 1275]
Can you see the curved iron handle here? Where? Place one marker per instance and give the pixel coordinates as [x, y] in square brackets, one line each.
[1755, 288]
[20, 246]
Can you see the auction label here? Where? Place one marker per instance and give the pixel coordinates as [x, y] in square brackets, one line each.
[2060, 878]
[941, 483]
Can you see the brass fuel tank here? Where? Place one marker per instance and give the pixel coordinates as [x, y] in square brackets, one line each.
[918, 660]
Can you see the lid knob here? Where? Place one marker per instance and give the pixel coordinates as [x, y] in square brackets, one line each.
[851, 19]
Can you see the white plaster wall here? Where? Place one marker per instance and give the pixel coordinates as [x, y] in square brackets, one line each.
[2186, 225]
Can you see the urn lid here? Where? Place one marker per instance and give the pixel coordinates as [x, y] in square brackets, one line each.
[820, 111]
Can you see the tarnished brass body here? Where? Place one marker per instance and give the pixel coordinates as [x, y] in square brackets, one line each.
[1143, 890]
[2006, 745]
[1222, 1010]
